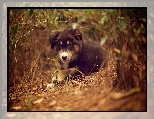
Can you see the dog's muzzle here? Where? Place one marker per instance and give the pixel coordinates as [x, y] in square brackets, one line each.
[65, 56]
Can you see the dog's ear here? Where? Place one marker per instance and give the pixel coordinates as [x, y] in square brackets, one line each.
[53, 38]
[77, 34]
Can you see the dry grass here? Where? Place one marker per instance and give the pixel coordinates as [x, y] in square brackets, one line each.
[118, 87]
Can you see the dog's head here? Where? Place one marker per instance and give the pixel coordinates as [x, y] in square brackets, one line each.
[67, 44]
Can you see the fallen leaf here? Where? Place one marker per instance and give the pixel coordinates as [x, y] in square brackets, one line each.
[118, 95]
[16, 107]
[59, 108]
[53, 103]
[38, 101]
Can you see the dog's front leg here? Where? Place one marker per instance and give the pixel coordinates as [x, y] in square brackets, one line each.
[62, 74]
[60, 77]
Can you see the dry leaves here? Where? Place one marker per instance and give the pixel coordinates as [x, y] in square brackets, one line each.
[119, 95]
[38, 101]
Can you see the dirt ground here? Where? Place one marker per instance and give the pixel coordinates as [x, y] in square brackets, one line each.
[31, 89]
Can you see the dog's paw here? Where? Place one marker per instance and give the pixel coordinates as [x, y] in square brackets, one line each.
[50, 85]
[60, 77]
[57, 80]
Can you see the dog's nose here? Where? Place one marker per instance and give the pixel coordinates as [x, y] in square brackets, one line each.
[64, 57]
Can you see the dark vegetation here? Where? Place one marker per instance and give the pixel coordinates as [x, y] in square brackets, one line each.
[122, 32]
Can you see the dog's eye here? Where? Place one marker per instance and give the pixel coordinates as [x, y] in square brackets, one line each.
[68, 43]
[60, 43]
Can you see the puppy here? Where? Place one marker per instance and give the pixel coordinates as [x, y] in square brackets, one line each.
[75, 55]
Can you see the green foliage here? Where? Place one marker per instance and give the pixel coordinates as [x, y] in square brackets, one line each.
[31, 11]
[53, 59]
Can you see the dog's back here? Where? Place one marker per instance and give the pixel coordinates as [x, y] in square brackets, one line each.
[91, 58]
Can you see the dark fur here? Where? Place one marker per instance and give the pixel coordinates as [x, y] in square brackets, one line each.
[87, 57]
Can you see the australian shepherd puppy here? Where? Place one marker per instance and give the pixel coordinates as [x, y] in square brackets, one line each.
[75, 55]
